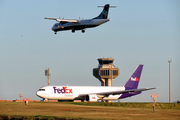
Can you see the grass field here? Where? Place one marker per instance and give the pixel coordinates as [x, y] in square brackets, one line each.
[48, 110]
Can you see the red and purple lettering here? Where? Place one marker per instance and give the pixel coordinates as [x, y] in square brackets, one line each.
[63, 90]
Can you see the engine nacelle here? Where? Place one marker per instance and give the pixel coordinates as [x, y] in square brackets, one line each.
[91, 98]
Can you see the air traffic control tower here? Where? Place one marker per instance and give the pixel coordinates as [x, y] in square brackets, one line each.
[106, 71]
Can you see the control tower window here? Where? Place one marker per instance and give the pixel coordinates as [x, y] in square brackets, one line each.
[107, 72]
[105, 62]
[104, 72]
[115, 72]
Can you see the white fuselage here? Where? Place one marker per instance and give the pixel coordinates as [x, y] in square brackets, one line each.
[76, 92]
[94, 93]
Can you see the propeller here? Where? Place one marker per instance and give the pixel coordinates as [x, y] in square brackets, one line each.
[80, 18]
[60, 22]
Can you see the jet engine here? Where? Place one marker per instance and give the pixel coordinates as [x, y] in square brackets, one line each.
[91, 98]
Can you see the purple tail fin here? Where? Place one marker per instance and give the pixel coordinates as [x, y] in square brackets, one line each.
[133, 81]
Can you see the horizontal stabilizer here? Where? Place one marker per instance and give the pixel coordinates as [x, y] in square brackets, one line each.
[125, 91]
[109, 6]
[119, 92]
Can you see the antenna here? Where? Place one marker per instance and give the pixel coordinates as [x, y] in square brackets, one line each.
[47, 73]
[100, 54]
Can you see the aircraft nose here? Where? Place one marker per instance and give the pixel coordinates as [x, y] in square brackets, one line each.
[55, 26]
[38, 93]
[52, 28]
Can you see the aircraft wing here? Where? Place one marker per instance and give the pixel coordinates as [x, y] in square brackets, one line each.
[64, 20]
[118, 92]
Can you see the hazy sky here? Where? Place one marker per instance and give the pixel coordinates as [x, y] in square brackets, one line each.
[140, 32]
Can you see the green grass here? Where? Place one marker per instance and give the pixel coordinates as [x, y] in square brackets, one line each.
[87, 111]
[132, 105]
[38, 117]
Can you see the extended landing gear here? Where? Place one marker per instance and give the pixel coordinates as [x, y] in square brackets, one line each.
[73, 30]
[55, 33]
[83, 31]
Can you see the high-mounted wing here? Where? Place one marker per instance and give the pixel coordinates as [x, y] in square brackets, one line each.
[64, 20]
[119, 92]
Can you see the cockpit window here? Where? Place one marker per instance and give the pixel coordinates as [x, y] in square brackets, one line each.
[56, 25]
[41, 89]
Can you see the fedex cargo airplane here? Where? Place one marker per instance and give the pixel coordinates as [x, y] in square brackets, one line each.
[94, 93]
[74, 24]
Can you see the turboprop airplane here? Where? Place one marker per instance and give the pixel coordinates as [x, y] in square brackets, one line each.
[94, 93]
[73, 24]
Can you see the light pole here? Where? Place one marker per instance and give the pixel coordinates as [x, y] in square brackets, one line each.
[169, 80]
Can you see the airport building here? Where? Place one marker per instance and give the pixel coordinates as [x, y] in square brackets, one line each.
[106, 72]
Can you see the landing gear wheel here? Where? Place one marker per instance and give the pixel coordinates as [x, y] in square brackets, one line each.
[73, 30]
[83, 31]
[55, 33]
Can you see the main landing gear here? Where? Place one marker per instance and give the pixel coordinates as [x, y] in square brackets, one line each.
[73, 31]
[55, 33]
[83, 31]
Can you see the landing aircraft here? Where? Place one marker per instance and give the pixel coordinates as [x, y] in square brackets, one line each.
[94, 93]
[74, 24]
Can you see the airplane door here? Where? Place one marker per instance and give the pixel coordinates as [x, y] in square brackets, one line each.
[60, 26]
[51, 94]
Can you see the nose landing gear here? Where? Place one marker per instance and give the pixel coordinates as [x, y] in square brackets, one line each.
[73, 30]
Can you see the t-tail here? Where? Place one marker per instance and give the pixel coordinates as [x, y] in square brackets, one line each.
[133, 82]
[104, 13]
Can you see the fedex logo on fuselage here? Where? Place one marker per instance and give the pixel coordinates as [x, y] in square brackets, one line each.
[63, 90]
[134, 79]
[93, 97]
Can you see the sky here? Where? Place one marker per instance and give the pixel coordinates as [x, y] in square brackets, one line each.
[140, 32]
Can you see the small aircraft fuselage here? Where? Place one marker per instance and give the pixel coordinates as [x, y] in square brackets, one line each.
[80, 25]
[74, 24]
